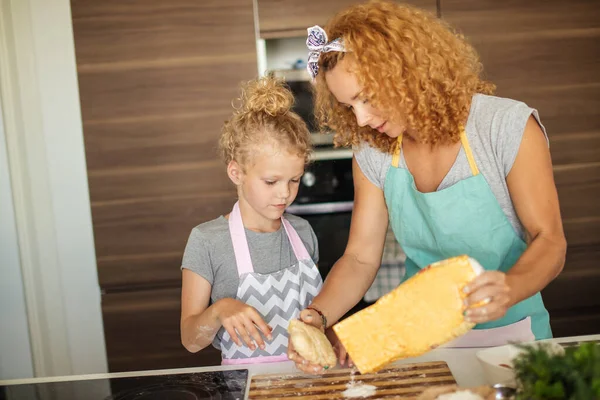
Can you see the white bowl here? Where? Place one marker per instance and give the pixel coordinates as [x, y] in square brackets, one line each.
[497, 362]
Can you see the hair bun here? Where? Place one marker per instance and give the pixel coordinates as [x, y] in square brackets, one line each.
[268, 95]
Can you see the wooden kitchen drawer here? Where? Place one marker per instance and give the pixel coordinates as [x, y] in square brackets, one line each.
[572, 298]
[541, 52]
[141, 243]
[142, 332]
[575, 322]
[156, 80]
[578, 186]
[577, 285]
[291, 18]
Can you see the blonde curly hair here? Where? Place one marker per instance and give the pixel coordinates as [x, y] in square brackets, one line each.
[264, 116]
[412, 67]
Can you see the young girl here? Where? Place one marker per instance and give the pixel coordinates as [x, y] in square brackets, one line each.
[452, 168]
[247, 274]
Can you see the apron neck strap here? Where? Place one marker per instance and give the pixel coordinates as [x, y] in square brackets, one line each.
[240, 243]
[396, 156]
[299, 249]
[465, 144]
[468, 152]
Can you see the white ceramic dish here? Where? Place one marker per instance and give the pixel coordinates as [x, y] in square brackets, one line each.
[496, 362]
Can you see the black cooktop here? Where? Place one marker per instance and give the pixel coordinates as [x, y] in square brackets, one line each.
[226, 385]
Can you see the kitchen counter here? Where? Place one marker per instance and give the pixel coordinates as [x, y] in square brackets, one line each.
[462, 362]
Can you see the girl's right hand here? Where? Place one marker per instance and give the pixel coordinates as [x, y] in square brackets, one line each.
[241, 319]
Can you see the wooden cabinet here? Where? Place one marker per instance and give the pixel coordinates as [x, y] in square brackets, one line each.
[142, 332]
[156, 80]
[291, 18]
[546, 54]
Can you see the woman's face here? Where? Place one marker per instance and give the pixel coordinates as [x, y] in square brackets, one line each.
[344, 86]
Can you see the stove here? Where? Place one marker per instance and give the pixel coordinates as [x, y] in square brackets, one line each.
[226, 385]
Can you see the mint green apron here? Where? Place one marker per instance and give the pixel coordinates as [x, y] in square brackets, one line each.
[464, 218]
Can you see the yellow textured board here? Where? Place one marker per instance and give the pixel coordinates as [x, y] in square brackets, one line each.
[421, 314]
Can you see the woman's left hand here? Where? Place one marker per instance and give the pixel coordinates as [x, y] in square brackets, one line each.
[488, 297]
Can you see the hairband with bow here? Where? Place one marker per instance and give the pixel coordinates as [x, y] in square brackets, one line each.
[317, 44]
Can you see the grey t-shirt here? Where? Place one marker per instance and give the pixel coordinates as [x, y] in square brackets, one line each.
[494, 129]
[209, 252]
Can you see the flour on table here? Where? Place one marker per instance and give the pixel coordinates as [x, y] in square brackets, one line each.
[359, 390]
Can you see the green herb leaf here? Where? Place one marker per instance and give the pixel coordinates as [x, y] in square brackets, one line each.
[543, 374]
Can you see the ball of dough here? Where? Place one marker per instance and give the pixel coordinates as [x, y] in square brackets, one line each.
[311, 344]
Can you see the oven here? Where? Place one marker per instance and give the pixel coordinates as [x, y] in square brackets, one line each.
[325, 199]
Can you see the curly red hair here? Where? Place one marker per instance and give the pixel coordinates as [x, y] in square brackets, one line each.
[411, 65]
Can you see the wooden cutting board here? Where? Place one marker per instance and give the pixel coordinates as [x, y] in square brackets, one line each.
[403, 381]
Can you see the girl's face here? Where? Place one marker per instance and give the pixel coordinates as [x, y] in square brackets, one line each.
[344, 86]
[268, 185]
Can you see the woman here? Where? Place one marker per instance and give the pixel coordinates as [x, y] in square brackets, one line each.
[453, 169]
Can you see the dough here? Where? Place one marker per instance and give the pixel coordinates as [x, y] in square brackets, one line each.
[311, 344]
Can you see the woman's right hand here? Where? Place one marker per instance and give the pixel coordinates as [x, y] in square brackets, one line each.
[339, 349]
[241, 320]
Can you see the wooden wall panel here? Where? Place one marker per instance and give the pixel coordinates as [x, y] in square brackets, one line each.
[542, 52]
[156, 82]
[142, 329]
[140, 271]
[151, 238]
[579, 281]
[575, 148]
[150, 32]
[164, 90]
[578, 188]
[168, 180]
[546, 53]
[152, 140]
[579, 181]
[482, 18]
[567, 323]
[290, 18]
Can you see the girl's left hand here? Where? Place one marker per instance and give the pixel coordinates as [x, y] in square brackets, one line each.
[492, 291]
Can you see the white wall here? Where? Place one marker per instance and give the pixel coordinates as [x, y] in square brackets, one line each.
[15, 351]
[44, 136]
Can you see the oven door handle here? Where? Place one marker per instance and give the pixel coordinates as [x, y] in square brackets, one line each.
[321, 208]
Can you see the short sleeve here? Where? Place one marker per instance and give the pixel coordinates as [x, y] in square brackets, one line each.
[196, 256]
[373, 163]
[508, 127]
